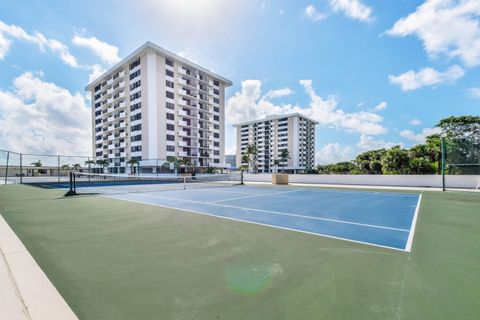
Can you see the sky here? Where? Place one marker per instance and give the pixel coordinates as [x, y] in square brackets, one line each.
[373, 73]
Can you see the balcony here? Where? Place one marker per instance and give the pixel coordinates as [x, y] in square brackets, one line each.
[109, 82]
[182, 134]
[183, 144]
[183, 123]
[183, 154]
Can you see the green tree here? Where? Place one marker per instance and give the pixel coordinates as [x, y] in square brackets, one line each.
[37, 164]
[370, 162]
[132, 163]
[249, 157]
[395, 161]
[284, 156]
[103, 163]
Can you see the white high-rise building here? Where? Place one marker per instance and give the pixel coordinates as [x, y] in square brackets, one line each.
[293, 132]
[155, 105]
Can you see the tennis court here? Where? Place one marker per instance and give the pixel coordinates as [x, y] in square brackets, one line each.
[116, 259]
[374, 218]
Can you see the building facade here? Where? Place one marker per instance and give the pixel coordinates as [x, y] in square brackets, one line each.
[292, 132]
[154, 106]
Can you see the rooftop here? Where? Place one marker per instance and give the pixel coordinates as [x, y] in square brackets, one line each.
[276, 116]
[151, 46]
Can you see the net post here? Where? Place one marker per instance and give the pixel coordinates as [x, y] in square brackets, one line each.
[21, 168]
[72, 191]
[443, 162]
[184, 182]
[6, 168]
[241, 177]
[156, 168]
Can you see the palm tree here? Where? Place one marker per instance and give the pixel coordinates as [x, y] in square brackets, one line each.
[284, 156]
[132, 163]
[37, 164]
[89, 164]
[76, 166]
[184, 163]
[211, 170]
[104, 163]
[276, 163]
[66, 167]
[250, 157]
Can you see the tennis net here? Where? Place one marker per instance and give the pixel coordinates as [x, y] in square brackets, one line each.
[94, 183]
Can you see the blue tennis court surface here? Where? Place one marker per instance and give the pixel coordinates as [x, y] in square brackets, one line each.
[375, 218]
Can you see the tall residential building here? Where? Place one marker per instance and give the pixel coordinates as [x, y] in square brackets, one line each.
[293, 132]
[155, 105]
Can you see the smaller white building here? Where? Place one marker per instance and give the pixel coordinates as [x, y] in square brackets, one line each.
[293, 132]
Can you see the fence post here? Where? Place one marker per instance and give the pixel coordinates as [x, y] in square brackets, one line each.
[6, 168]
[21, 168]
[58, 164]
[443, 162]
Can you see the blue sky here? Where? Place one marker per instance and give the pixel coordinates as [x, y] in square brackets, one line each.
[373, 73]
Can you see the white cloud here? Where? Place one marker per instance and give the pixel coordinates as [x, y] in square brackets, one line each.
[474, 92]
[367, 143]
[354, 9]
[333, 153]
[412, 80]
[40, 117]
[419, 137]
[9, 32]
[96, 71]
[445, 27]
[106, 52]
[314, 15]
[249, 104]
[380, 106]
[278, 93]
[231, 150]
[415, 122]
[189, 54]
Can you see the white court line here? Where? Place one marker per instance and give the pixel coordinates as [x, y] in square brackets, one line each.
[254, 196]
[408, 246]
[282, 213]
[257, 223]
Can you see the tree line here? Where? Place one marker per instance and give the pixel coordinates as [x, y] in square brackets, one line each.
[462, 152]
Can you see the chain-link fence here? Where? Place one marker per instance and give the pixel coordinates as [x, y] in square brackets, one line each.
[39, 168]
[31, 168]
[460, 157]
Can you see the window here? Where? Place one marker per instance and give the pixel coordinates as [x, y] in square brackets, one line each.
[170, 148]
[216, 100]
[216, 91]
[135, 85]
[137, 116]
[216, 152]
[98, 104]
[216, 144]
[216, 135]
[170, 127]
[98, 87]
[136, 95]
[170, 116]
[135, 74]
[137, 127]
[216, 83]
[170, 106]
[169, 95]
[135, 106]
[216, 160]
[216, 126]
[169, 62]
[169, 73]
[169, 84]
[135, 63]
[97, 113]
[98, 121]
[136, 138]
[216, 109]
[99, 154]
[97, 96]
[170, 137]
[216, 118]
[136, 148]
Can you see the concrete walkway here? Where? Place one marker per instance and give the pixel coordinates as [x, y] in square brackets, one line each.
[25, 291]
